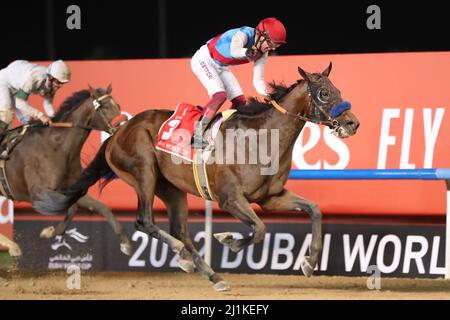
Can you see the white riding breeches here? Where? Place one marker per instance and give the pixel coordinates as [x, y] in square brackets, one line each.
[8, 106]
[215, 78]
[7, 103]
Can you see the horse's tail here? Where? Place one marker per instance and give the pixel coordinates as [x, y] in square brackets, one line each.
[52, 202]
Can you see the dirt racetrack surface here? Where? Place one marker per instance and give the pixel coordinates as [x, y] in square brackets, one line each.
[166, 286]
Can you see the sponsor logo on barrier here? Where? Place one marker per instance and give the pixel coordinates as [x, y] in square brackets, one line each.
[343, 254]
[72, 233]
[69, 261]
[364, 250]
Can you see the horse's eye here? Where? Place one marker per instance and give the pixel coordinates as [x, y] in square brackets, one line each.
[324, 95]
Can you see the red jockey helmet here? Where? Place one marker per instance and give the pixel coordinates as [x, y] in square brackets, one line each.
[274, 29]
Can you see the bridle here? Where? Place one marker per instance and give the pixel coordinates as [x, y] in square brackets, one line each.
[316, 106]
[97, 104]
[98, 107]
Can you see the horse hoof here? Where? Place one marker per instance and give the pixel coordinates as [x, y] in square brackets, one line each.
[226, 238]
[126, 249]
[307, 269]
[48, 233]
[178, 247]
[186, 265]
[223, 237]
[222, 286]
[15, 251]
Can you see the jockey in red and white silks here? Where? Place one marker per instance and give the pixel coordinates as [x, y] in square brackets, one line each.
[237, 46]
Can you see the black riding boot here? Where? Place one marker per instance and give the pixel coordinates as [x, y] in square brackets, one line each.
[3, 129]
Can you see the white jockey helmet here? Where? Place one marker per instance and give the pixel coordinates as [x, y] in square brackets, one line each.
[60, 71]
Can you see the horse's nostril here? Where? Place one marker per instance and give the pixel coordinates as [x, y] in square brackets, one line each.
[352, 124]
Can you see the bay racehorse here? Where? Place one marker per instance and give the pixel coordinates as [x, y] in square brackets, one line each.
[48, 158]
[132, 156]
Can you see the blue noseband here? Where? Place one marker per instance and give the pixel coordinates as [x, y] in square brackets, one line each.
[339, 108]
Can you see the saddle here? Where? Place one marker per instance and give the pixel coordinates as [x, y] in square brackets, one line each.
[10, 140]
[175, 134]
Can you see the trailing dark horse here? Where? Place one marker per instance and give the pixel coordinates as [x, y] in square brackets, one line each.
[48, 158]
[131, 155]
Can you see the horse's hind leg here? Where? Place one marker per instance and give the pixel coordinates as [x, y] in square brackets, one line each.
[60, 229]
[141, 173]
[135, 163]
[177, 209]
[175, 204]
[93, 205]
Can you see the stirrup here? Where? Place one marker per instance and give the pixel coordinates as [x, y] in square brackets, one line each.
[4, 155]
[198, 143]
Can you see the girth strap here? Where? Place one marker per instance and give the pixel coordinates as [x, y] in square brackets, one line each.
[4, 185]
[200, 174]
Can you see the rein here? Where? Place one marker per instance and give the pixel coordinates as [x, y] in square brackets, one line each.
[330, 118]
[97, 106]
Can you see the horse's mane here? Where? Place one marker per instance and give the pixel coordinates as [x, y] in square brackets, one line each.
[70, 104]
[255, 107]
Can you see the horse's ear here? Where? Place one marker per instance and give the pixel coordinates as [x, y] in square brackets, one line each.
[91, 91]
[305, 75]
[109, 89]
[327, 71]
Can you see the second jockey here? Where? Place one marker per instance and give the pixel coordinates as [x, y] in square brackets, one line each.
[19, 80]
[236, 46]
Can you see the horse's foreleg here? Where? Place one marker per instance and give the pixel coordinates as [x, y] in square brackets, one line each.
[237, 205]
[288, 201]
[13, 248]
[93, 205]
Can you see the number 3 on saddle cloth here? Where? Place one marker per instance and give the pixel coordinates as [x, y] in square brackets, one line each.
[176, 133]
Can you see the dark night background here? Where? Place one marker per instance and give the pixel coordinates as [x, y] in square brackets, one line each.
[36, 30]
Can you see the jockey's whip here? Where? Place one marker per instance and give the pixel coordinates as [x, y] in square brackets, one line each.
[60, 124]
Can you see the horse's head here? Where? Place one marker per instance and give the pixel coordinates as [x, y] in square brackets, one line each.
[105, 109]
[326, 105]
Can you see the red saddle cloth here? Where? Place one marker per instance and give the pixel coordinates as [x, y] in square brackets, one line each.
[175, 133]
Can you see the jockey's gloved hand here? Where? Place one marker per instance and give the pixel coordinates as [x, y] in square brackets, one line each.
[3, 126]
[264, 97]
[45, 119]
[251, 52]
